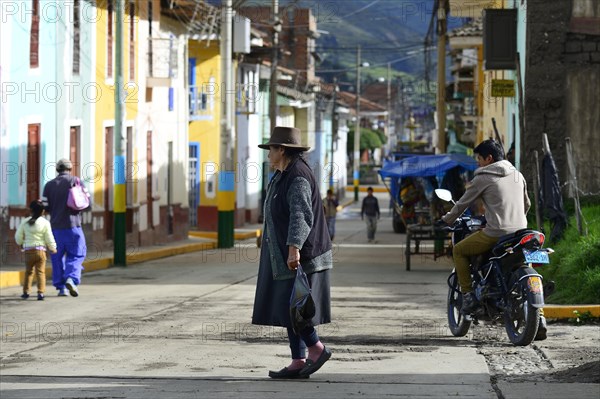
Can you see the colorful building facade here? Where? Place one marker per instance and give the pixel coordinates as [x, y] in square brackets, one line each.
[58, 101]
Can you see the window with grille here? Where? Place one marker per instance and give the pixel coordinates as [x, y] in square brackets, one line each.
[34, 38]
[132, 41]
[76, 36]
[109, 40]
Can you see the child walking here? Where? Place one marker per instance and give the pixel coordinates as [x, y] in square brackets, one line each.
[35, 236]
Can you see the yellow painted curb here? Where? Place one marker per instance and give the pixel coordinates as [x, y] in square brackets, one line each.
[567, 311]
[363, 189]
[163, 253]
[95, 264]
[347, 203]
[11, 279]
[213, 234]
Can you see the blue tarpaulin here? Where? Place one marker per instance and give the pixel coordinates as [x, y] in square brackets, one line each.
[427, 165]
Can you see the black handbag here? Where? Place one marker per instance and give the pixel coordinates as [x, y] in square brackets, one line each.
[302, 305]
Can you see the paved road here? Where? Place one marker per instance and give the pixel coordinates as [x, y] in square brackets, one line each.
[180, 328]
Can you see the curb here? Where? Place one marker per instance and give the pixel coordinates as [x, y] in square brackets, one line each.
[15, 278]
[363, 189]
[346, 204]
[568, 311]
[237, 236]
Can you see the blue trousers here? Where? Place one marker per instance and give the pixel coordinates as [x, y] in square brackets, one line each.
[298, 343]
[69, 256]
[331, 226]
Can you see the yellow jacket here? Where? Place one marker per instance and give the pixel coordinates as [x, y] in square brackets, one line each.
[38, 235]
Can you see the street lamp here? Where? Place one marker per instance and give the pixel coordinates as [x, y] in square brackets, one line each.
[334, 130]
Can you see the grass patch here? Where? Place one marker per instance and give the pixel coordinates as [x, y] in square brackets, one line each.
[575, 266]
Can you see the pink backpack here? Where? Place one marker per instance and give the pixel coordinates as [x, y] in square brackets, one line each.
[77, 199]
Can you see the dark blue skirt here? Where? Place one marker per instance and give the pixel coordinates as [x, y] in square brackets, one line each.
[272, 298]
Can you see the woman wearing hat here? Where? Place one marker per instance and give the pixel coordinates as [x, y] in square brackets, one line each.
[294, 232]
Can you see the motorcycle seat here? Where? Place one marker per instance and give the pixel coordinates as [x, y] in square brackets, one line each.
[510, 240]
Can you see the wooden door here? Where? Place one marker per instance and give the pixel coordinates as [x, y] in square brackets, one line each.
[74, 150]
[149, 175]
[33, 163]
[194, 182]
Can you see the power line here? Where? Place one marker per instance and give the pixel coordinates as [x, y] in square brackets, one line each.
[369, 48]
[361, 9]
[373, 65]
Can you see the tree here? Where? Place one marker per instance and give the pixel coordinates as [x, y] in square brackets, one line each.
[370, 140]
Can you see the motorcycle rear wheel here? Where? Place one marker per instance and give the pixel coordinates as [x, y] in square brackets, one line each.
[459, 325]
[521, 318]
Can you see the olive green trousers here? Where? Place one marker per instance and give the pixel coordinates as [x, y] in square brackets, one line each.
[475, 244]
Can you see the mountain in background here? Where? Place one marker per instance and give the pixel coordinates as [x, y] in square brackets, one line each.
[387, 30]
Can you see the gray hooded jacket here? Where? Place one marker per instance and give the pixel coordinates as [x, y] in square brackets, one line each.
[503, 191]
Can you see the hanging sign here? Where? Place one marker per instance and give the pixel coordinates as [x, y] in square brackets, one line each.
[503, 88]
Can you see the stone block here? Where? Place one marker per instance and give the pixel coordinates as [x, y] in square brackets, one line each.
[573, 47]
[595, 57]
[579, 58]
[588, 46]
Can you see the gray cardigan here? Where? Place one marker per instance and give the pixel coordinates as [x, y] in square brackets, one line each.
[301, 221]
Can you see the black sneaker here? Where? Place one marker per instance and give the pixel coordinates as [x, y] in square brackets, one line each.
[542, 332]
[469, 303]
[24, 296]
[40, 297]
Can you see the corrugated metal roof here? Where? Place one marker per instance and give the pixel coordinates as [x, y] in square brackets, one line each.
[471, 29]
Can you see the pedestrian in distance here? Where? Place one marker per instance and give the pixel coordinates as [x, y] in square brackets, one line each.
[66, 227]
[370, 210]
[331, 204]
[294, 232]
[34, 236]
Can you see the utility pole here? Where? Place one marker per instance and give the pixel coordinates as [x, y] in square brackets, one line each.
[226, 193]
[389, 103]
[334, 130]
[402, 112]
[274, 61]
[441, 75]
[120, 186]
[356, 160]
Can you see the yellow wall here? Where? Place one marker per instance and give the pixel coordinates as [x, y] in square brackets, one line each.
[105, 105]
[207, 132]
[495, 107]
[479, 87]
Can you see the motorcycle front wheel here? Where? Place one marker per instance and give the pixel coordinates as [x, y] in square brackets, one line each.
[520, 317]
[459, 325]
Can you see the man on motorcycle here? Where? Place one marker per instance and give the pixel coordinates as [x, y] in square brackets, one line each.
[503, 191]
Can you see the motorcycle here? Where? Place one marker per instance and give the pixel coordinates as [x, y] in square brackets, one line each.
[505, 282]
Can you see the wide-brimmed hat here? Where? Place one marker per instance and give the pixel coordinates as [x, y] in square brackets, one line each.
[285, 137]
